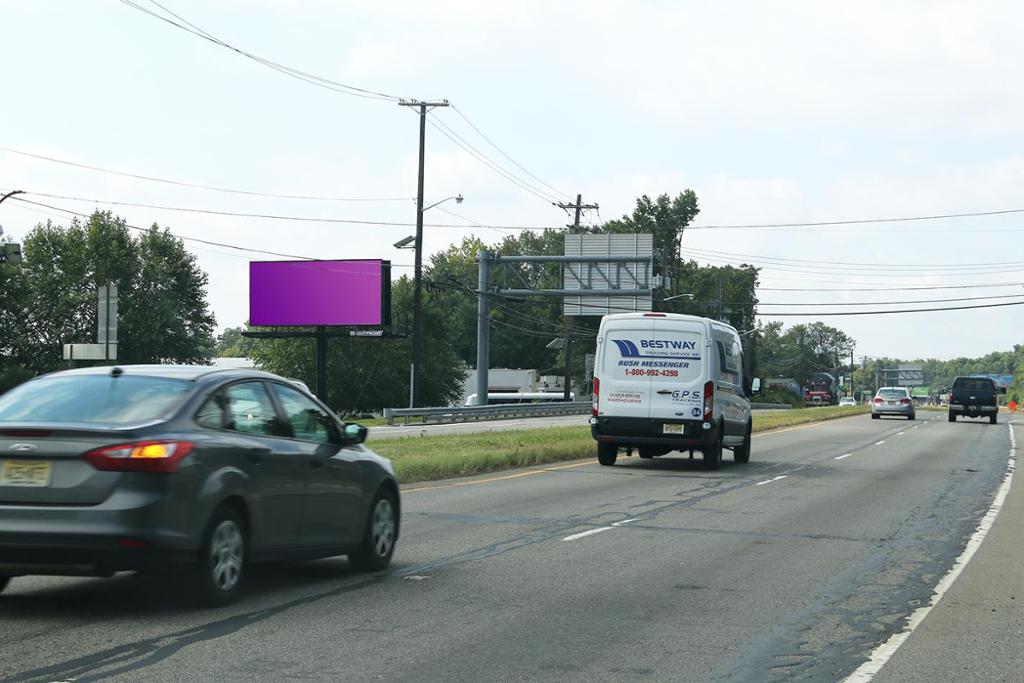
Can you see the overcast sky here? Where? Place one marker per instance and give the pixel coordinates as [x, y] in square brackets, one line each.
[770, 112]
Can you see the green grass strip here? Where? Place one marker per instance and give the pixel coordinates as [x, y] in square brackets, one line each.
[429, 458]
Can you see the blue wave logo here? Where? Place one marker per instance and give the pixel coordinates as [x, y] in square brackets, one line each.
[627, 348]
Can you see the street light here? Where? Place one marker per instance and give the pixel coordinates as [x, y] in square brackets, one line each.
[688, 297]
[417, 294]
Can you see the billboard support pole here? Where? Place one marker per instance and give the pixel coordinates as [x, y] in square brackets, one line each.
[321, 363]
[483, 328]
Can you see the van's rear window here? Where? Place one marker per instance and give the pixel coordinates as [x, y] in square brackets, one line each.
[99, 399]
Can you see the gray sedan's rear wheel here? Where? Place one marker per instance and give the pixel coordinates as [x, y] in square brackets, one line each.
[952, 417]
[222, 559]
[874, 416]
[379, 537]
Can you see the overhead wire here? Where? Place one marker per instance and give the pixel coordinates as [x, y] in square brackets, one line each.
[307, 77]
[281, 217]
[853, 263]
[858, 221]
[502, 152]
[213, 188]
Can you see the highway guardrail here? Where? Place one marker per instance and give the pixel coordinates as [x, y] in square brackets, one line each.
[508, 411]
[503, 411]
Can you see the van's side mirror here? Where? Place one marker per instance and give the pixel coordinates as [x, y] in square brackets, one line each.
[355, 433]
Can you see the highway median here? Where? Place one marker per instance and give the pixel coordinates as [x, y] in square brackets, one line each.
[430, 458]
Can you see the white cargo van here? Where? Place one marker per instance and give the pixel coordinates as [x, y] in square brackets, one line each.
[665, 382]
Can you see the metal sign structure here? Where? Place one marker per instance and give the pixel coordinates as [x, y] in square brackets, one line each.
[106, 329]
[614, 282]
[601, 272]
[910, 376]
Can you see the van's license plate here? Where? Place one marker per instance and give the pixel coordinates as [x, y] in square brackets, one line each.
[671, 429]
[25, 473]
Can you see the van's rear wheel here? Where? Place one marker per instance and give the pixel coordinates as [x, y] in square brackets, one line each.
[713, 453]
[741, 454]
[4, 580]
[952, 417]
[992, 418]
[606, 453]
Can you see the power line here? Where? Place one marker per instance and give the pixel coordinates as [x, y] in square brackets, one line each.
[442, 128]
[889, 289]
[193, 239]
[495, 146]
[855, 271]
[291, 72]
[852, 263]
[280, 217]
[214, 188]
[823, 314]
[860, 221]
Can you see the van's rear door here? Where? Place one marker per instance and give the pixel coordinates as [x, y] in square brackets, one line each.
[625, 386]
[675, 363]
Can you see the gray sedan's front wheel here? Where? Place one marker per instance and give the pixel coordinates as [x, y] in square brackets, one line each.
[381, 532]
[222, 559]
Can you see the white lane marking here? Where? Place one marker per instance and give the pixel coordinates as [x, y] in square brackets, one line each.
[584, 534]
[879, 443]
[844, 455]
[768, 481]
[626, 521]
[884, 652]
[915, 426]
[900, 433]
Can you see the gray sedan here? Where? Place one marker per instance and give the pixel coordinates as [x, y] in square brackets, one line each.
[189, 468]
[893, 401]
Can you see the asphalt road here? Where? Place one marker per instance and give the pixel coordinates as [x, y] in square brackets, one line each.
[793, 567]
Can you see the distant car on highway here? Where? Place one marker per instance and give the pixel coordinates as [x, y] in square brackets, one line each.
[197, 469]
[847, 401]
[892, 401]
[973, 397]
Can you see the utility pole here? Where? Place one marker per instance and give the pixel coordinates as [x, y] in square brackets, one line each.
[417, 292]
[579, 206]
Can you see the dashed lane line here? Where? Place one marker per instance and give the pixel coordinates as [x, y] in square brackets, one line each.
[598, 530]
[780, 476]
[844, 455]
[879, 443]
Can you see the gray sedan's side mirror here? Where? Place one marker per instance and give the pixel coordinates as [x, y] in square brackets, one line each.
[355, 433]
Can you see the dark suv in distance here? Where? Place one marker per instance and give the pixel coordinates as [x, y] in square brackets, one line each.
[190, 468]
[973, 397]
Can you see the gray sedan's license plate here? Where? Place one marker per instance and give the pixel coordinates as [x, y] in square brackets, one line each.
[25, 473]
[672, 429]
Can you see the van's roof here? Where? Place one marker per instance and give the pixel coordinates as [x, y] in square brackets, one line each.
[647, 315]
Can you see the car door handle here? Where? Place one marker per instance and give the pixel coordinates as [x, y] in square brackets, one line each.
[664, 392]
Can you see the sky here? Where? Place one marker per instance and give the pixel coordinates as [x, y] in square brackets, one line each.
[773, 113]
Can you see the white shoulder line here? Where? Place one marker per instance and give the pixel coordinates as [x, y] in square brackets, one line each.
[884, 652]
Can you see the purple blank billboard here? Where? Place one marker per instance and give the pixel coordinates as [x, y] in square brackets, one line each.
[314, 293]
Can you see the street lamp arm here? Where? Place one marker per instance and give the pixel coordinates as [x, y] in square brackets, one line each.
[456, 197]
[11, 194]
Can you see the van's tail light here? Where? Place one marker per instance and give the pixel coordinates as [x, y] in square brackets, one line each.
[904, 401]
[597, 391]
[878, 399]
[709, 401]
[140, 456]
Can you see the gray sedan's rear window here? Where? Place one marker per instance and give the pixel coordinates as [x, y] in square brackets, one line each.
[99, 399]
[892, 393]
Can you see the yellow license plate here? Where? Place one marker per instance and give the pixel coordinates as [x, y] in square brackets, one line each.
[25, 473]
[672, 429]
